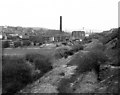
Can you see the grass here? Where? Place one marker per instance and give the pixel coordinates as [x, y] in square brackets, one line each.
[24, 51]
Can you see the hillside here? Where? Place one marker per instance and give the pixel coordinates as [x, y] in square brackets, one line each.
[30, 31]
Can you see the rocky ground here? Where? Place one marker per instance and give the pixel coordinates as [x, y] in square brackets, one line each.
[84, 83]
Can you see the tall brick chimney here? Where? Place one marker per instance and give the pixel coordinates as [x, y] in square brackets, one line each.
[61, 23]
[119, 24]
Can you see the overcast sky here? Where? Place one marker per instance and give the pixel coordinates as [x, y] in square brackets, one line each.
[76, 14]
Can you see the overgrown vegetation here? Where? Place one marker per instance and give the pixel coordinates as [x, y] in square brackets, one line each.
[15, 74]
[17, 44]
[89, 61]
[19, 71]
[40, 62]
[31, 56]
[26, 43]
[61, 52]
[36, 39]
[85, 62]
[5, 44]
[76, 47]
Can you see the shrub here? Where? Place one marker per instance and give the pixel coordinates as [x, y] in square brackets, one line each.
[40, 62]
[69, 52]
[15, 74]
[77, 47]
[94, 45]
[64, 86]
[61, 52]
[43, 64]
[37, 39]
[88, 61]
[5, 44]
[64, 43]
[26, 42]
[31, 56]
[17, 43]
[87, 40]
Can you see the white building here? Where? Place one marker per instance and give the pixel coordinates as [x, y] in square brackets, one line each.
[1, 36]
[86, 35]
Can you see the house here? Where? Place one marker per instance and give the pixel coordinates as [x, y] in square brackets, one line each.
[1, 37]
[52, 39]
[86, 35]
[4, 36]
[61, 37]
[24, 37]
[12, 36]
[78, 35]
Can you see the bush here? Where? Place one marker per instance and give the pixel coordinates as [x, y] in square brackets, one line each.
[5, 44]
[31, 56]
[88, 61]
[77, 47]
[64, 86]
[37, 39]
[16, 74]
[64, 43]
[17, 43]
[26, 43]
[43, 64]
[40, 62]
[94, 45]
[69, 53]
[87, 40]
[61, 52]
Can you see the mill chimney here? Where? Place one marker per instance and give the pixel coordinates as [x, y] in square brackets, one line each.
[61, 23]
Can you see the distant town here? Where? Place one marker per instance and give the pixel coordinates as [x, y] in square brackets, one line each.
[37, 36]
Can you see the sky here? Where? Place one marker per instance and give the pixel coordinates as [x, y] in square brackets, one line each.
[95, 15]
